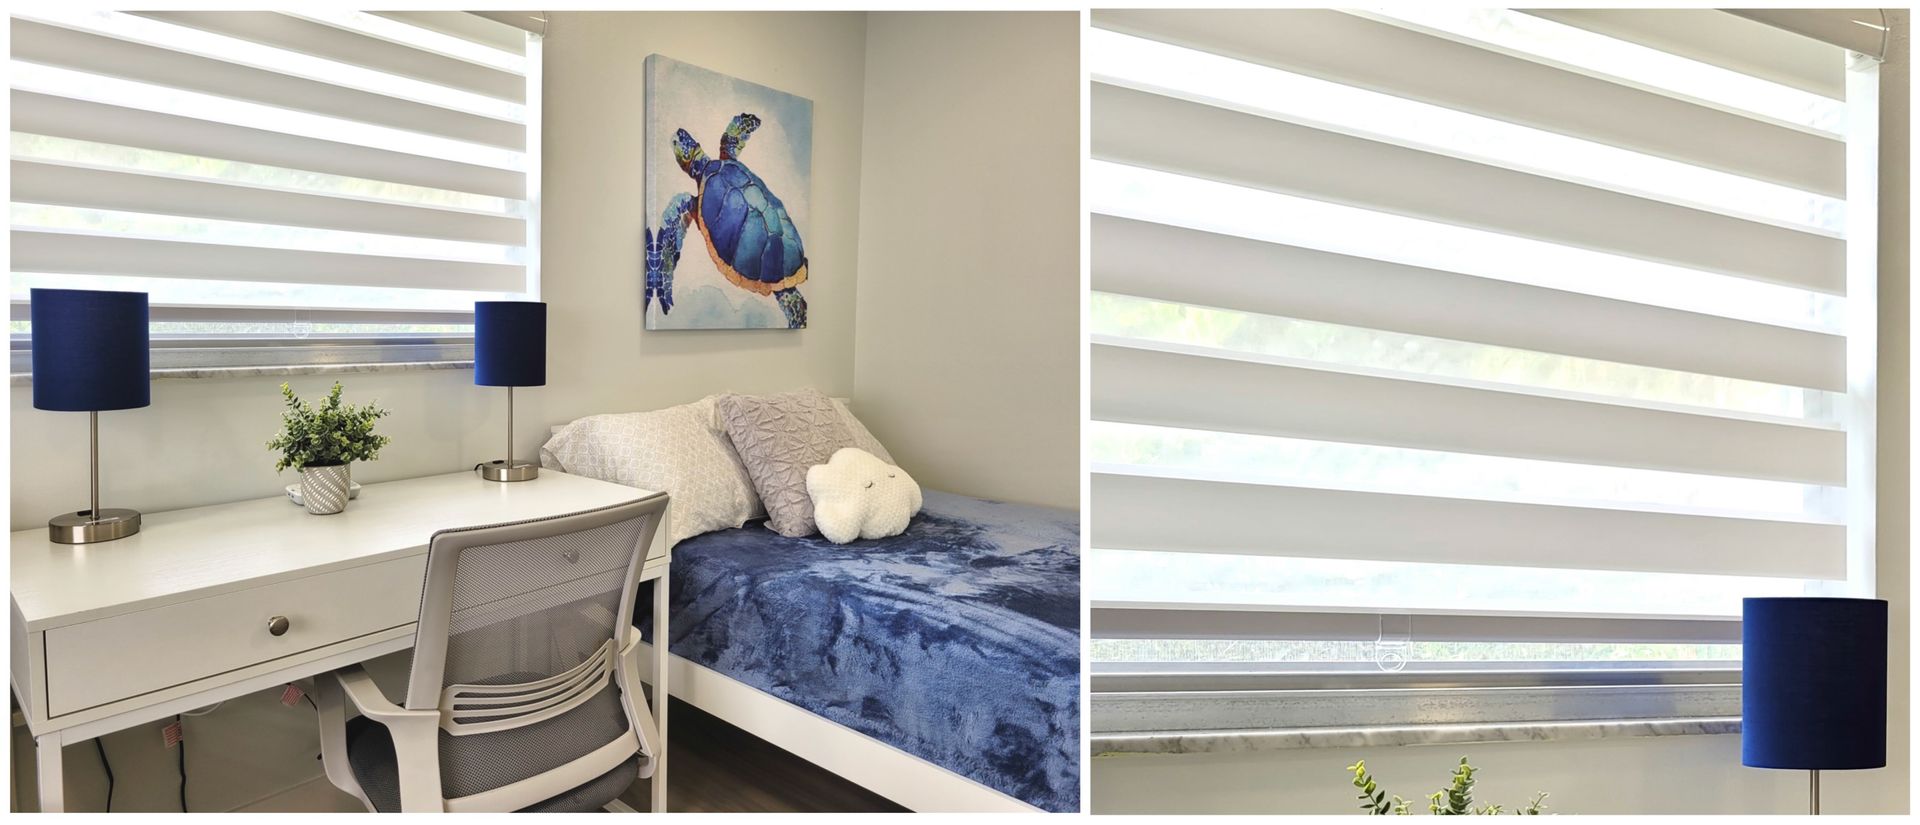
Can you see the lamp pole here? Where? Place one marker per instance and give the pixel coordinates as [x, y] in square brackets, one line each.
[93, 465]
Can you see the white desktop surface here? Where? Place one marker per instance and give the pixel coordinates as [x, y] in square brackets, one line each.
[210, 550]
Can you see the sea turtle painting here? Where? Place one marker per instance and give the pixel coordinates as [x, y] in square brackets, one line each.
[748, 233]
[745, 209]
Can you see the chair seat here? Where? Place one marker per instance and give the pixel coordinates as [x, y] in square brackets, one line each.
[371, 757]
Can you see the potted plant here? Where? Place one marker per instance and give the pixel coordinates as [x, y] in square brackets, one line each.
[323, 444]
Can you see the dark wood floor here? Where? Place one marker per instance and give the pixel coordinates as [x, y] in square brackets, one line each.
[715, 767]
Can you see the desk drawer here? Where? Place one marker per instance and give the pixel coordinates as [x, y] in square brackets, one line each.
[93, 663]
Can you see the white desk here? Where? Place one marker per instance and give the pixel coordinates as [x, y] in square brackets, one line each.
[109, 636]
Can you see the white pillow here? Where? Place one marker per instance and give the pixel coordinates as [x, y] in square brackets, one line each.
[676, 450]
[858, 496]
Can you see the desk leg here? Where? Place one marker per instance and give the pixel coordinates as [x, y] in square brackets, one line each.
[660, 638]
[47, 753]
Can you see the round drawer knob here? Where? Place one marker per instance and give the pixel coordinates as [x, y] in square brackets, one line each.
[278, 625]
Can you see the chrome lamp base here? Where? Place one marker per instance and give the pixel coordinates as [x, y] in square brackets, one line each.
[84, 528]
[96, 523]
[508, 470]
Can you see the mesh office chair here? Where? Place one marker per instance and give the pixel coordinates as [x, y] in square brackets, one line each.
[524, 692]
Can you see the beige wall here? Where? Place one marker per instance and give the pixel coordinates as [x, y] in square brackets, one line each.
[1683, 774]
[966, 361]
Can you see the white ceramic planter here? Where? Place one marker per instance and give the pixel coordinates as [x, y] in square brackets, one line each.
[324, 489]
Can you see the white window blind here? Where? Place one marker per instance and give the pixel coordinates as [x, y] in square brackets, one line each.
[1473, 327]
[332, 173]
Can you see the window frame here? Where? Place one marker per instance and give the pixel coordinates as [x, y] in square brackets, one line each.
[293, 352]
[1203, 688]
[1145, 712]
[277, 355]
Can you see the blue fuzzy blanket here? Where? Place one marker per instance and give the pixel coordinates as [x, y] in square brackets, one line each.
[957, 641]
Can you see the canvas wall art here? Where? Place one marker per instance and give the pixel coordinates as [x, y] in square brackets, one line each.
[729, 171]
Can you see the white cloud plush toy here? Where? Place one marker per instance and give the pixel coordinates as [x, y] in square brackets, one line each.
[858, 496]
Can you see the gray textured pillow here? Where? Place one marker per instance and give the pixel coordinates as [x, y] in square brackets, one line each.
[779, 437]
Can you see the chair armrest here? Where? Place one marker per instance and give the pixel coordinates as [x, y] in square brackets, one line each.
[639, 716]
[359, 687]
[415, 738]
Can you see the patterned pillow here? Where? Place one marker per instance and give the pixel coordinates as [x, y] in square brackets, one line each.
[676, 450]
[779, 437]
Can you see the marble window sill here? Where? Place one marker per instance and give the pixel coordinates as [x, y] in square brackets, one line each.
[26, 379]
[1244, 741]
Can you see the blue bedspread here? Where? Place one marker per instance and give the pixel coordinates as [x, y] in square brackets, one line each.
[957, 641]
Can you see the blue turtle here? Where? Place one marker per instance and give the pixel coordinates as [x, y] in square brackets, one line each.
[749, 235]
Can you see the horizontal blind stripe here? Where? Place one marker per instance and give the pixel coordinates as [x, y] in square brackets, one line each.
[321, 40]
[1134, 620]
[1142, 193]
[414, 37]
[269, 58]
[87, 120]
[1373, 55]
[99, 54]
[1620, 61]
[532, 22]
[1144, 512]
[1163, 579]
[1727, 40]
[142, 96]
[86, 254]
[1157, 261]
[249, 295]
[1150, 130]
[1214, 80]
[1865, 31]
[464, 25]
[1139, 382]
[68, 185]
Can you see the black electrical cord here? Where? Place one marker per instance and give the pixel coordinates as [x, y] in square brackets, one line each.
[108, 767]
[182, 744]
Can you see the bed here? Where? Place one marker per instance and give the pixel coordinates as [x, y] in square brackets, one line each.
[939, 668]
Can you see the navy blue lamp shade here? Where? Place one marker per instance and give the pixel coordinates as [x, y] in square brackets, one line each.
[89, 350]
[1813, 691]
[509, 343]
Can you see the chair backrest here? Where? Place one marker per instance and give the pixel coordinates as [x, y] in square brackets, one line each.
[520, 633]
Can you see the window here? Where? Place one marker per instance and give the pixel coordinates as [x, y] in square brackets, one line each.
[1466, 341]
[287, 187]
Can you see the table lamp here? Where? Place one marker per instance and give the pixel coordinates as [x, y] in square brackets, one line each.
[1813, 686]
[90, 354]
[509, 350]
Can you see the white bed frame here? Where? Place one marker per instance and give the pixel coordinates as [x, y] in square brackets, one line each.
[861, 759]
